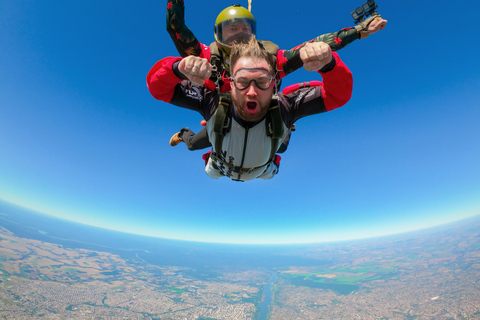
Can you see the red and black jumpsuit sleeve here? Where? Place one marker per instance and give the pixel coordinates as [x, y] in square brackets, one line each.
[334, 92]
[162, 80]
[289, 60]
[167, 84]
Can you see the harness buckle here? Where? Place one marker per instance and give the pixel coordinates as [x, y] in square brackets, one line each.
[226, 125]
[217, 76]
[270, 129]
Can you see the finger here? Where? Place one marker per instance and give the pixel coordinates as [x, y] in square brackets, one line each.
[207, 74]
[181, 66]
[323, 51]
[189, 61]
[309, 54]
[304, 53]
[313, 52]
[198, 81]
[312, 66]
[309, 50]
[320, 50]
[187, 67]
[200, 69]
[204, 74]
[204, 68]
[328, 51]
[192, 64]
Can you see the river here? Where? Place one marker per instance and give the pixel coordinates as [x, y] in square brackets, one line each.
[267, 298]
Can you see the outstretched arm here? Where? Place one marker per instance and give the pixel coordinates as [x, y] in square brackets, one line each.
[164, 76]
[337, 79]
[290, 60]
[183, 38]
[162, 79]
[335, 90]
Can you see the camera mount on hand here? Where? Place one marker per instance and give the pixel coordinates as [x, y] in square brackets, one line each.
[363, 16]
[367, 9]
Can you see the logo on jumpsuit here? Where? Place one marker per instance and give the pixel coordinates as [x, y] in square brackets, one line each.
[194, 93]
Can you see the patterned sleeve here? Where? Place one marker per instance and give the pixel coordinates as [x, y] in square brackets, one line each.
[289, 60]
[183, 38]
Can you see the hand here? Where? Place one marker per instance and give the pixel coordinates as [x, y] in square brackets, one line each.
[377, 24]
[196, 69]
[315, 55]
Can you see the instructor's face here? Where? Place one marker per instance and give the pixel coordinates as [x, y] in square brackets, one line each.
[252, 102]
[236, 31]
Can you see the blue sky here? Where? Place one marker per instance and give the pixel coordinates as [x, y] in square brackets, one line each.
[82, 139]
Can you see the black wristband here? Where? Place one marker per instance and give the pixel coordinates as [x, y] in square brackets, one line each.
[329, 66]
[177, 72]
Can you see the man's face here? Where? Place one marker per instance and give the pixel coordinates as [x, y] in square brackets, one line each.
[252, 103]
[236, 31]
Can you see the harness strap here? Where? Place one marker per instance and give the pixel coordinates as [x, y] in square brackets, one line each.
[274, 127]
[236, 169]
[222, 120]
[222, 124]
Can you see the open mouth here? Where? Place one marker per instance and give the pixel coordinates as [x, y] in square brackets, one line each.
[251, 107]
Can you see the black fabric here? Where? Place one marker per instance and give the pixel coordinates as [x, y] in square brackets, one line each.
[195, 141]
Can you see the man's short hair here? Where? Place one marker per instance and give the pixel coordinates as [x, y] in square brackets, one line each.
[252, 49]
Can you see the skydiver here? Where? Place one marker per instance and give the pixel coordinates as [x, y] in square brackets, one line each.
[235, 155]
[236, 23]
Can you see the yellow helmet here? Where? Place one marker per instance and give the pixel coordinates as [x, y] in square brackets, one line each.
[234, 23]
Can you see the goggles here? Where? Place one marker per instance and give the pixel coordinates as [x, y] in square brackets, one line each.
[244, 77]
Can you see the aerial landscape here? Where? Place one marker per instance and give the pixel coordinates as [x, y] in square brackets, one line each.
[429, 274]
[374, 212]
